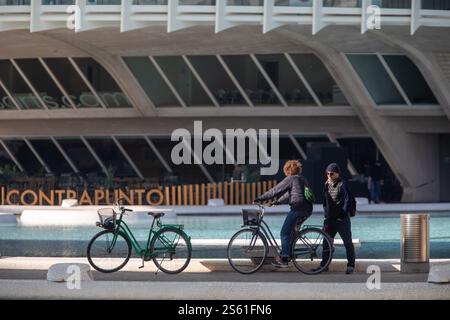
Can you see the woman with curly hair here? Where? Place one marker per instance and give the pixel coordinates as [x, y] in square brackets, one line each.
[289, 191]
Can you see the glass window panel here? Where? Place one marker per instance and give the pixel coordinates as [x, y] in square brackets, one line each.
[411, 79]
[42, 82]
[142, 155]
[74, 85]
[251, 80]
[57, 2]
[20, 91]
[111, 156]
[305, 141]
[436, 4]
[103, 2]
[361, 152]
[5, 102]
[15, 2]
[5, 159]
[217, 80]
[294, 3]
[320, 80]
[150, 2]
[82, 158]
[342, 3]
[288, 151]
[197, 2]
[151, 81]
[184, 81]
[183, 173]
[103, 83]
[25, 157]
[219, 172]
[245, 2]
[393, 4]
[51, 155]
[285, 79]
[376, 79]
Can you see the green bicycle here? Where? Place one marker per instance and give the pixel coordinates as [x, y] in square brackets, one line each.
[110, 250]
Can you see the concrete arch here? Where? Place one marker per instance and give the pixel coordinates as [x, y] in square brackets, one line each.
[114, 65]
[413, 158]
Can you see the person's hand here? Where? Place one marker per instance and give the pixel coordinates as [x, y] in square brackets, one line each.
[257, 201]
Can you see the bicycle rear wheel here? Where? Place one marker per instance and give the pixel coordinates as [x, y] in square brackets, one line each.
[108, 252]
[247, 251]
[312, 251]
[171, 250]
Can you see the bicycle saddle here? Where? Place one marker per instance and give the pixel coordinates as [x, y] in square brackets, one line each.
[156, 215]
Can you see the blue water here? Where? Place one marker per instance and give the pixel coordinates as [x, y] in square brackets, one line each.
[379, 235]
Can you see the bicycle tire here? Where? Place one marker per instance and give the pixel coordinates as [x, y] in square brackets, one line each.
[159, 265]
[300, 264]
[91, 258]
[235, 262]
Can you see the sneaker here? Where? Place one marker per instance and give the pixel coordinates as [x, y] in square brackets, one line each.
[350, 270]
[279, 263]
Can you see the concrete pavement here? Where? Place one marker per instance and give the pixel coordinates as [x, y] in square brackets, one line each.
[170, 290]
[24, 278]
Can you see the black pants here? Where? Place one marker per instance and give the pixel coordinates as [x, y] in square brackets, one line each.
[344, 228]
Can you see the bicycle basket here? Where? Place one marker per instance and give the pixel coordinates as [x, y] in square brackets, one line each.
[107, 218]
[251, 216]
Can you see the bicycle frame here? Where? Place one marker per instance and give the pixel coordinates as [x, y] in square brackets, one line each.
[267, 232]
[167, 245]
[265, 229]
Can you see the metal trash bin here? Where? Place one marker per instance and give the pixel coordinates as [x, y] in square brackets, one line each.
[415, 243]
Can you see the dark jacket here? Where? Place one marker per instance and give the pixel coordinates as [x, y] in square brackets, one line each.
[337, 208]
[290, 191]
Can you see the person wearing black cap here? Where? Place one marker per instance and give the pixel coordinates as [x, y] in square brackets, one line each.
[336, 206]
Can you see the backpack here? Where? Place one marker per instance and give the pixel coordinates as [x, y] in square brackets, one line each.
[309, 195]
[352, 208]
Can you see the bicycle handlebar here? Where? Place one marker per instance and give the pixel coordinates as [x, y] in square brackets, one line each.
[119, 204]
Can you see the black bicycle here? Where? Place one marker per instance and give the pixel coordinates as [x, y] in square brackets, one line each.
[249, 247]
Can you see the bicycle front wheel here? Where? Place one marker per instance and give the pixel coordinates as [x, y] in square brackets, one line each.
[171, 250]
[109, 251]
[247, 251]
[312, 251]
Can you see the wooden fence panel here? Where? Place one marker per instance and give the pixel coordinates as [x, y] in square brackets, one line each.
[253, 191]
[225, 193]
[197, 195]
[179, 195]
[233, 193]
[203, 194]
[219, 196]
[167, 196]
[191, 195]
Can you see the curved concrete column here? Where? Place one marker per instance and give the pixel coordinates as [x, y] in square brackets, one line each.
[414, 158]
[116, 68]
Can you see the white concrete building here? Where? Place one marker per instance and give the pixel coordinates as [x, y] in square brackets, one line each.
[87, 87]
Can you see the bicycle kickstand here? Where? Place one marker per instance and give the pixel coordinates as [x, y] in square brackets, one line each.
[142, 263]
